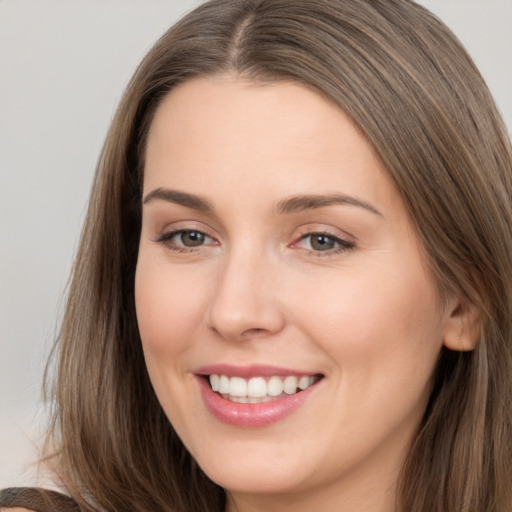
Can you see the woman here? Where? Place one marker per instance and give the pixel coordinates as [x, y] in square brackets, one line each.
[293, 289]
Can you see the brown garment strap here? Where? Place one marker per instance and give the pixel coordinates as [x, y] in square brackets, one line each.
[39, 500]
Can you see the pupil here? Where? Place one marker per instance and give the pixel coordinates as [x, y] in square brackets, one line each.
[322, 243]
[192, 238]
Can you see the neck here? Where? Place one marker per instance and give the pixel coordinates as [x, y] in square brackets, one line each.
[376, 494]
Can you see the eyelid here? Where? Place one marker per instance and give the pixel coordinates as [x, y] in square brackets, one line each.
[165, 236]
[336, 239]
[171, 234]
[183, 225]
[344, 241]
[311, 229]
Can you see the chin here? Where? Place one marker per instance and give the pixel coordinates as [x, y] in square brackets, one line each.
[254, 481]
[246, 474]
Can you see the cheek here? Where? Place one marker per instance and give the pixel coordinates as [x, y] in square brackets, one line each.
[383, 338]
[384, 323]
[168, 306]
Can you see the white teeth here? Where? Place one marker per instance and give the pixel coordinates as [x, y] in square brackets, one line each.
[214, 382]
[258, 389]
[290, 385]
[274, 386]
[304, 382]
[223, 384]
[239, 399]
[237, 387]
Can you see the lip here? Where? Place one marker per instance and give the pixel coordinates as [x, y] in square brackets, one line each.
[246, 372]
[251, 415]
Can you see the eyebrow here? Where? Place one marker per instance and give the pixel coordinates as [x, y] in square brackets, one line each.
[310, 202]
[182, 198]
[286, 206]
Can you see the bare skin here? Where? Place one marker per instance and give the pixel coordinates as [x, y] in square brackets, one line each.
[239, 274]
[15, 509]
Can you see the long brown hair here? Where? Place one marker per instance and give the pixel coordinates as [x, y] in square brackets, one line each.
[411, 88]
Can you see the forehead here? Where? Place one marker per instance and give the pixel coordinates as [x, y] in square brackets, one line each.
[240, 133]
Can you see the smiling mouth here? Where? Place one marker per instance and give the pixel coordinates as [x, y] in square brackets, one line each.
[259, 389]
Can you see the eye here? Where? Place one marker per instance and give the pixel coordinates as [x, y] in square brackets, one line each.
[324, 243]
[321, 242]
[184, 239]
[191, 238]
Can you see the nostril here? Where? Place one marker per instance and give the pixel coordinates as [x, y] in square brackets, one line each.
[254, 331]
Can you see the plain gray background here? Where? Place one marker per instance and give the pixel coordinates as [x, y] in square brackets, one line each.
[63, 67]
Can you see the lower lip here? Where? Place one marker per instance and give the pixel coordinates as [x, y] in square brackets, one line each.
[252, 415]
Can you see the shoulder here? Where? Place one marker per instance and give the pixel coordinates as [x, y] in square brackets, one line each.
[15, 509]
[33, 499]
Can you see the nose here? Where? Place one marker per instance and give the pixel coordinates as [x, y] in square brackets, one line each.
[245, 302]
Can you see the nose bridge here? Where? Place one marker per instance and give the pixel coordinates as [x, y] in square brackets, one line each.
[244, 303]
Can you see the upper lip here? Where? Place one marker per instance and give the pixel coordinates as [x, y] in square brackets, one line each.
[254, 370]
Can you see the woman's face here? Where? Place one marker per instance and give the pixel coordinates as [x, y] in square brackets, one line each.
[277, 255]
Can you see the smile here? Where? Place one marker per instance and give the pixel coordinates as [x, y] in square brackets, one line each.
[255, 396]
[259, 389]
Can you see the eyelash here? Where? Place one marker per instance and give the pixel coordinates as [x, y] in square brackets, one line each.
[342, 245]
[166, 239]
